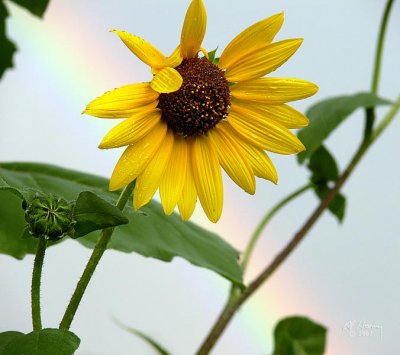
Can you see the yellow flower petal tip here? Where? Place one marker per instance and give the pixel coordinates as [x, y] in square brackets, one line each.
[142, 49]
[114, 187]
[280, 17]
[188, 123]
[313, 89]
[117, 32]
[253, 39]
[292, 45]
[194, 29]
[300, 148]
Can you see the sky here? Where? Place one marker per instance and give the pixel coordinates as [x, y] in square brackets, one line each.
[341, 274]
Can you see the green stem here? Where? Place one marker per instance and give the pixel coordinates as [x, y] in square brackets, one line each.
[370, 112]
[379, 48]
[90, 268]
[36, 277]
[237, 300]
[258, 231]
[261, 226]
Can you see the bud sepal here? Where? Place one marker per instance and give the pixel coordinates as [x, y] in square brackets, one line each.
[49, 216]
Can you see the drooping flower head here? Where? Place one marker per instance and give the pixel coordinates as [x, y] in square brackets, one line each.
[198, 115]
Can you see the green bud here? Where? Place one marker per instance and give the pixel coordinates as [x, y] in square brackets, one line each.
[49, 216]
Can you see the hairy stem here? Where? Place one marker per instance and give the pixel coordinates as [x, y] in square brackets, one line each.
[237, 300]
[90, 268]
[36, 277]
[370, 112]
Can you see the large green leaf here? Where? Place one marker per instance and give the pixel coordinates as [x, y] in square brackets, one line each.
[299, 336]
[92, 213]
[7, 337]
[5, 187]
[12, 224]
[36, 7]
[7, 47]
[327, 115]
[150, 233]
[41, 342]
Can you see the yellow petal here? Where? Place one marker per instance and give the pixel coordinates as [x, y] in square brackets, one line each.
[166, 80]
[282, 114]
[175, 58]
[122, 102]
[148, 181]
[194, 29]
[274, 90]
[207, 177]
[263, 61]
[172, 61]
[232, 159]
[131, 130]
[187, 202]
[252, 38]
[264, 134]
[174, 177]
[259, 160]
[136, 157]
[204, 51]
[142, 49]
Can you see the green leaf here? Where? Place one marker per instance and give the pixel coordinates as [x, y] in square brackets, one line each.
[43, 342]
[93, 213]
[338, 204]
[36, 7]
[5, 187]
[151, 234]
[7, 337]
[328, 114]
[8, 48]
[211, 56]
[12, 224]
[155, 345]
[324, 170]
[323, 166]
[299, 336]
[158, 236]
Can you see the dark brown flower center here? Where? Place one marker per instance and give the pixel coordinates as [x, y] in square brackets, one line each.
[202, 101]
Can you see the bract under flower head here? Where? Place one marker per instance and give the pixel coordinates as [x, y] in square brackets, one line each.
[49, 217]
[195, 116]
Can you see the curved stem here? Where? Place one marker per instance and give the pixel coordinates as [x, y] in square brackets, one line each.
[260, 228]
[234, 304]
[379, 48]
[90, 268]
[370, 112]
[36, 277]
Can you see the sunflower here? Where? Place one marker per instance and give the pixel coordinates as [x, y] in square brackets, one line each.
[199, 114]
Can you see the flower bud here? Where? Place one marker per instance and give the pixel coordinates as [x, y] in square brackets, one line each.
[49, 216]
